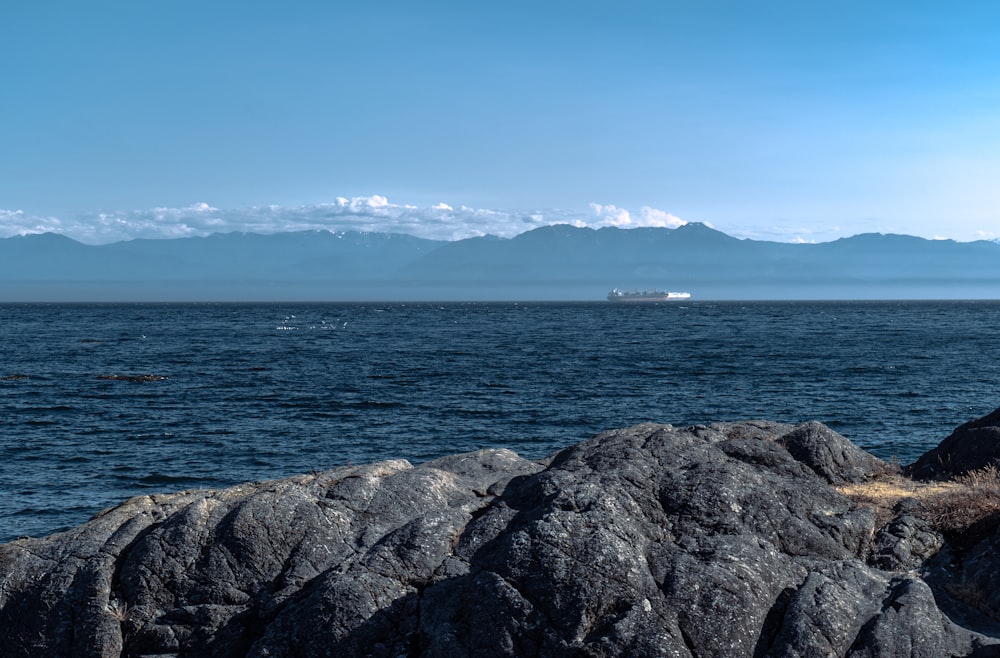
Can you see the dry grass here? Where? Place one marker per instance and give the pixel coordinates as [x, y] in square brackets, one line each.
[952, 507]
[985, 480]
[887, 491]
[120, 610]
[965, 510]
[882, 494]
[977, 499]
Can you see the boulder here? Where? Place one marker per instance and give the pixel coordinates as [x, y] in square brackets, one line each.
[653, 540]
[905, 543]
[970, 447]
[832, 456]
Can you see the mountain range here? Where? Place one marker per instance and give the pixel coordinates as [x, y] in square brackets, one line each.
[558, 262]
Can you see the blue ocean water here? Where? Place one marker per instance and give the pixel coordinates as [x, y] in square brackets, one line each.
[255, 391]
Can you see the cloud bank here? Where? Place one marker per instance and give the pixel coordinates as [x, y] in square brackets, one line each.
[610, 215]
[364, 213]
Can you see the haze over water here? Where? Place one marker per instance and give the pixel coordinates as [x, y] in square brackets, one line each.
[260, 391]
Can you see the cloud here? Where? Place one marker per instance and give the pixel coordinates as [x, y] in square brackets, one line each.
[788, 233]
[17, 222]
[363, 203]
[660, 218]
[378, 214]
[374, 213]
[611, 215]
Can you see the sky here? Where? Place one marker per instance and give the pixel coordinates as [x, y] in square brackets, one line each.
[789, 121]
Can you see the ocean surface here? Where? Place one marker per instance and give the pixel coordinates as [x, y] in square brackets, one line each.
[99, 403]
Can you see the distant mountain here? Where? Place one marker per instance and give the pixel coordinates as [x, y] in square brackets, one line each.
[710, 263]
[230, 266]
[552, 262]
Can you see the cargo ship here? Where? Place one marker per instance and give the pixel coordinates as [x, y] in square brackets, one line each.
[619, 295]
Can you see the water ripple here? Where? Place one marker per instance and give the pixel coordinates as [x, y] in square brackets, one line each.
[102, 402]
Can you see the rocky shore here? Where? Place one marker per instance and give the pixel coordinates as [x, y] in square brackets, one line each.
[733, 539]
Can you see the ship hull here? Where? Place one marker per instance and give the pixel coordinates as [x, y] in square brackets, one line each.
[656, 296]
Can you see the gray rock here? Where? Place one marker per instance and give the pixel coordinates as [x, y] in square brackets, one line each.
[846, 610]
[909, 603]
[971, 446]
[647, 541]
[831, 455]
[905, 543]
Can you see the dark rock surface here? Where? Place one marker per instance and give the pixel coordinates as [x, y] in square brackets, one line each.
[905, 543]
[720, 540]
[833, 457]
[971, 446]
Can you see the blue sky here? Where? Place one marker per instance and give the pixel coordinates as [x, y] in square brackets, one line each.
[773, 120]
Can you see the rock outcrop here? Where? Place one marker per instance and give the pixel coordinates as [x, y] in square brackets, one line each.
[719, 540]
[972, 446]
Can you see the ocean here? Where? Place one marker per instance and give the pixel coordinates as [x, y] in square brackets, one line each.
[101, 402]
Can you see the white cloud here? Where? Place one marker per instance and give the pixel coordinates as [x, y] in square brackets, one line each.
[363, 213]
[362, 203]
[611, 215]
[17, 222]
[660, 218]
[376, 213]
